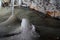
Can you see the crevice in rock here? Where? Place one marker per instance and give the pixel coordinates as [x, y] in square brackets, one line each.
[9, 35]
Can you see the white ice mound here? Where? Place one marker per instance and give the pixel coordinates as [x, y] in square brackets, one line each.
[27, 30]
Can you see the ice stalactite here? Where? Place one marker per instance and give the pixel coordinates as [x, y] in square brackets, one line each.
[20, 2]
[0, 3]
[12, 6]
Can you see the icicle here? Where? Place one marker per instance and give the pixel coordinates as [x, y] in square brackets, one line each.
[12, 4]
[0, 3]
[20, 2]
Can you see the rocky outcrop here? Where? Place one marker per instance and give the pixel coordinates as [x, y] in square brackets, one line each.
[45, 6]
[35, 4]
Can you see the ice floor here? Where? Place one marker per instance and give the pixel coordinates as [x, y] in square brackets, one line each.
[47, 27]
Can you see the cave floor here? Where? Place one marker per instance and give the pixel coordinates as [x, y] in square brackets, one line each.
[47, 27]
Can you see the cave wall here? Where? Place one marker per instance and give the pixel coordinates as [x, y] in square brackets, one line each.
[49, 7]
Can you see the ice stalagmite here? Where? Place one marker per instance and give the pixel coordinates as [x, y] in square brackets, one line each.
[27, 30]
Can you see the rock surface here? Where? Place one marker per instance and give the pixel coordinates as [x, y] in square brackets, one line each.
[44, 6]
